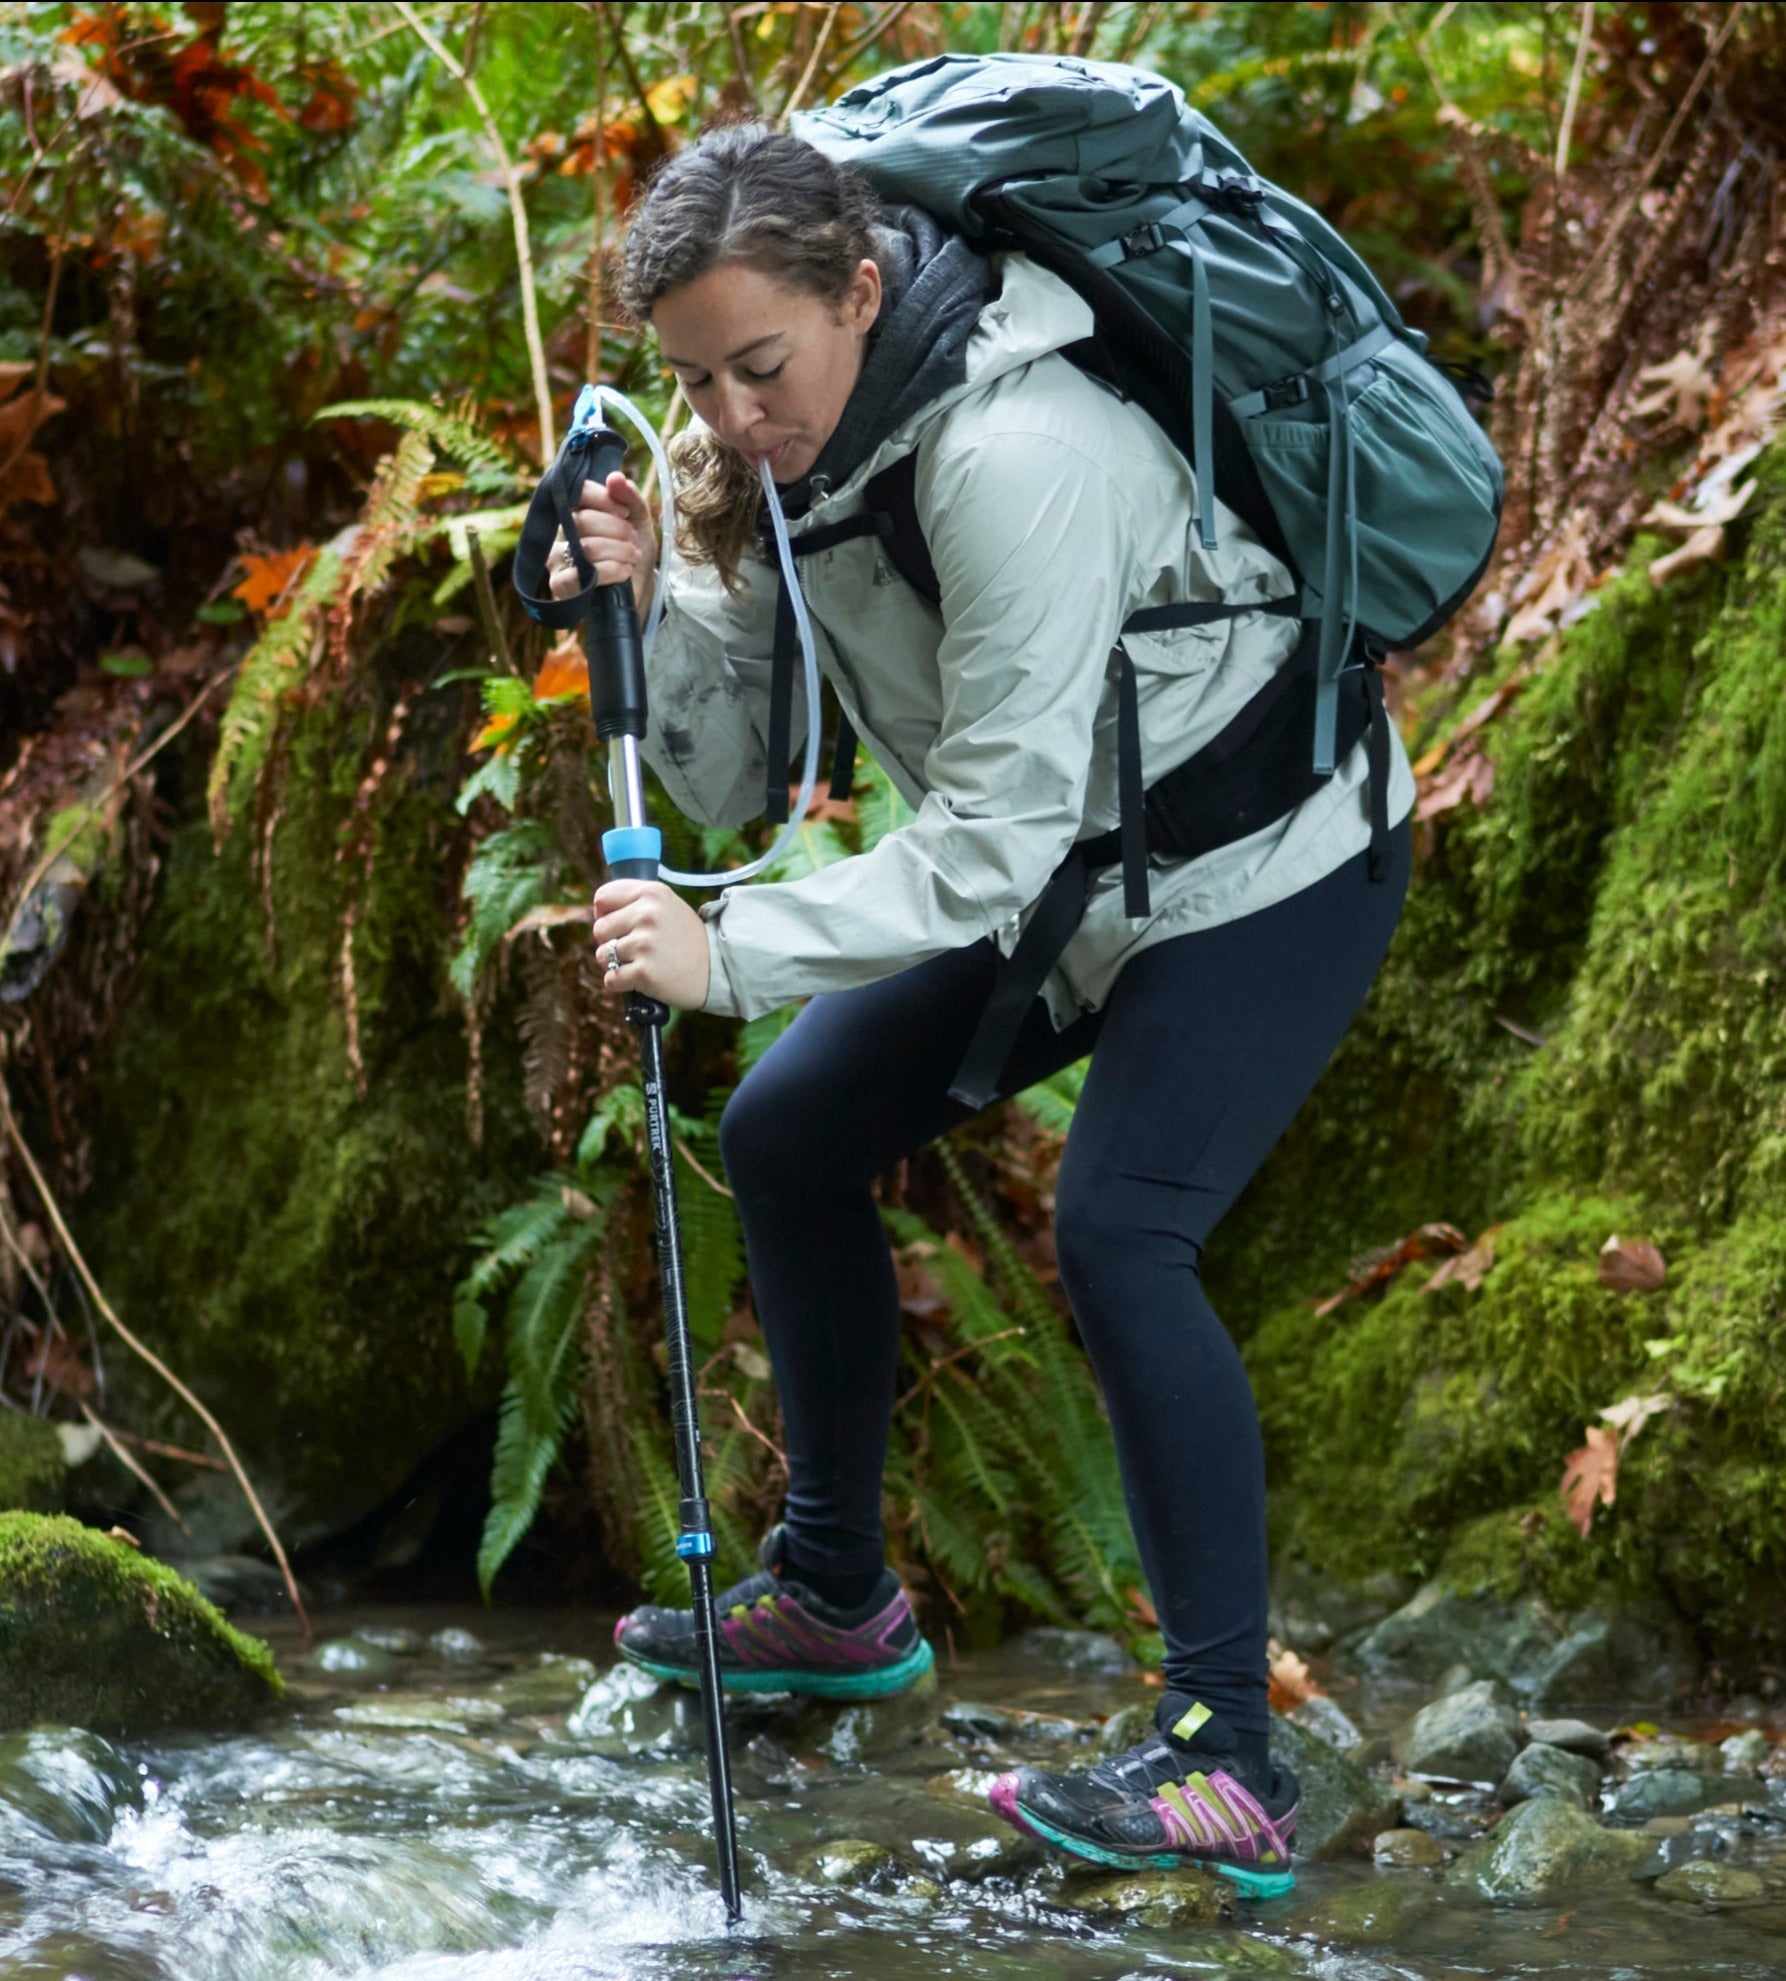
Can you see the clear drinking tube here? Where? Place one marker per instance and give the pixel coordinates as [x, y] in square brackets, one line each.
[790, 577]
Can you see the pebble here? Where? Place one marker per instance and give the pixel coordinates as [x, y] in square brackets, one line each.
[1573, 1736]
[1661, 1792]
[1470, 1735]
[1150, 1898]
[1744, 1753]
[456, 1646]
[865, 1866]
[1705, 1883]
[1667, 1751]
[1127, 1727]
[1542, 1770]
[1407, 1850]
[1327, 1720]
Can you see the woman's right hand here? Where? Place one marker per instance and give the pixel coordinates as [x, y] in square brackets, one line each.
[614, 524]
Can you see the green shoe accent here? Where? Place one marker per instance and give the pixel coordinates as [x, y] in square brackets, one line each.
[1249, 1884]
[876, 1684]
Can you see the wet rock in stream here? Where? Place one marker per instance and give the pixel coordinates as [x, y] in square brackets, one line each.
[1148, 1898]
[1470, 1735]
[1540, 1769]
[1545, 1850]
[1703, 1882]
[1407, 1850]
[863, 1866]
[1343, 1804]
[1540, 1656]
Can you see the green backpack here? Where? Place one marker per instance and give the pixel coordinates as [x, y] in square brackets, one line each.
[1239, 320]
[1225, 307]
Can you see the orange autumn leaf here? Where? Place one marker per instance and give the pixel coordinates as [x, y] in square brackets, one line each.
[271, 575]
[1291, 1682]
[564, 671]
[1591, 1477]
[493, 731]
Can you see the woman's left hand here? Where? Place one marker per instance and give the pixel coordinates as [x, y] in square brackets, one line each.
[662, 943]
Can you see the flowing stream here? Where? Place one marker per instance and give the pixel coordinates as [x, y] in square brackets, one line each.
[466, 1796]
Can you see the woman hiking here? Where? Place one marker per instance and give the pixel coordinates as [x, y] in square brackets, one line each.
[812, 330]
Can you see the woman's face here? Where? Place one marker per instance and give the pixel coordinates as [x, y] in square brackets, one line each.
[769, 367]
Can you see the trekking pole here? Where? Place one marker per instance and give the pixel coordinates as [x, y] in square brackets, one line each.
[633, 851]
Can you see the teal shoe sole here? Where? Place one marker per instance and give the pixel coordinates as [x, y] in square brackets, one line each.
[877, 1684]
[1248, 1883]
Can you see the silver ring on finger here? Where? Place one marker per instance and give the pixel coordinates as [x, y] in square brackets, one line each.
[613, 958]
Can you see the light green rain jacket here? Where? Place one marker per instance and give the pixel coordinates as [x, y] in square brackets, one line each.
[1052, 510]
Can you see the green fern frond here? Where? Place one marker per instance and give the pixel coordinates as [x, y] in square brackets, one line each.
[278, 660]
[879, 807]
[507, 876]
[1053, 1102]
[525, 1454]
[487, 467]
[659, 1521]
[712, 1252]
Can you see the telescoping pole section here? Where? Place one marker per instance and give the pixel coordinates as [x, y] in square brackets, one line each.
[632, 850]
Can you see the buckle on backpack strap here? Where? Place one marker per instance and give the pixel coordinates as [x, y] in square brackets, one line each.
[1235, 190]
[1286, 392]
[1146, 239]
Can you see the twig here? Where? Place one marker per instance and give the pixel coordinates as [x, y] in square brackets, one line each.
[741, 57]
[1137, 31]
[1497, 249]
[712, 1181]
[1611, 232]
[78, 1260]
[130, 1465]
[53, 852]
[846, 57]
[1582, 40]
[1090, 18]
[636, 82]
[967, 1348]
[157, 1449]
[486, 598]
[762, 1437]
[530, 316]
[592, 349]
[792, 101]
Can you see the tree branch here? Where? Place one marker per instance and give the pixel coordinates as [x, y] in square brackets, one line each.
[530, 316]
[77, 1259]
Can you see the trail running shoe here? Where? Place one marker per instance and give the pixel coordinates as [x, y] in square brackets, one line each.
[777, 1636]
[1182, 1796]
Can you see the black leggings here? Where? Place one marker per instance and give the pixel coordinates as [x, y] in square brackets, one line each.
[1207, 1046]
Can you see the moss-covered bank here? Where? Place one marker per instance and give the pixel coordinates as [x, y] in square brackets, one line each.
[287, 1241]
[95, 1635]
[1617, 901]
[32, 1467]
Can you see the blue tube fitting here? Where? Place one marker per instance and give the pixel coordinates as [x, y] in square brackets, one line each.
[694, 1544]
[632, 842]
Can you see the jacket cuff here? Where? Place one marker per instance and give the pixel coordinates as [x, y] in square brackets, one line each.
[722, 996]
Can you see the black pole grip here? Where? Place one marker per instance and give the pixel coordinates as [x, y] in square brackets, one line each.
[611, 632]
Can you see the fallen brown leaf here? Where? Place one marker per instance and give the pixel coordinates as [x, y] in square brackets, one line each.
[1378, 1268]
[1630, 1265]
[1702, 547]
[1590, 1477]
[1291, 1681]
[1629, 1415]
[1470, 775]
[1466, 1269]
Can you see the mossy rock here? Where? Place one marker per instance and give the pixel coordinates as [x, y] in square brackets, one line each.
[95, 1635]
[1576, 1034]
[33, 1470]
[283, 1233]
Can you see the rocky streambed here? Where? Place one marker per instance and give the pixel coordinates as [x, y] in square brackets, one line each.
[449, 1795]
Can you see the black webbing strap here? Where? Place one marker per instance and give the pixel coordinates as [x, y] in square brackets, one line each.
[1131, 808]
[1020, 976]
[1134, 836]
[548, 512]
[1253, 772]
[875, 523]
[1377, 767]
[843, 759]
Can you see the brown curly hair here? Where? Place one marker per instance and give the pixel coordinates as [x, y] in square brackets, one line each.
[746, 193]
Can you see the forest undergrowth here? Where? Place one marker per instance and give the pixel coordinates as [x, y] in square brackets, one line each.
[299, 815]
